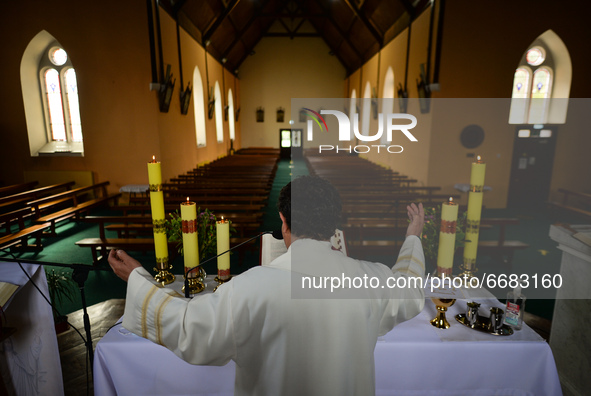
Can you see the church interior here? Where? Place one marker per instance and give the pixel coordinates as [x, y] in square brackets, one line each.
[235, 98]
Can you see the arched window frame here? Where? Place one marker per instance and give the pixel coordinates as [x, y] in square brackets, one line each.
[219, 119]
[352, 111]
[556, 59]
[199, 109]
[231, 122]
[72, 142]
[44, 66]
[388, 94]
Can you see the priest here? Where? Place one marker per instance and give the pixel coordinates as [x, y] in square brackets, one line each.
[285, 338]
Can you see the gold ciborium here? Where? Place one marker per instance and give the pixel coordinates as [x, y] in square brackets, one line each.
[442, 304]
[196, 283]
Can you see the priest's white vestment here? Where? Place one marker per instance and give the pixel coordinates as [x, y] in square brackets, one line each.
[284, 344]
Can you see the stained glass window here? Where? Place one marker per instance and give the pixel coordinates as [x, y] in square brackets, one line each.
[535, 56]
[73, 107]
[521, 83]
[541, 83]
[532, 88]
[61, 92]
[58, 56]
[55, 106]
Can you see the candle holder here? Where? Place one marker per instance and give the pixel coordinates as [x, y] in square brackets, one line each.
[221, 281]
[468, 272]
[196, 283]
[163, 276]
[442, 304]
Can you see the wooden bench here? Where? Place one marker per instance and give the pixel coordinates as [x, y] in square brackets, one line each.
[100, 247]
[581, 207]
[21, 199]
[75, 201]
[228, 211]
[501, 249]
[379, 237]
[16, 188]
[20, 238]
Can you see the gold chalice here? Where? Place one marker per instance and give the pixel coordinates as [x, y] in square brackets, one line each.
[442, 304]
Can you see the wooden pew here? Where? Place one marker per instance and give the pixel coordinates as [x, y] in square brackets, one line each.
[16, 188]
[501, 249]
[581, 206]
[49, 209]
[21, 199]
[20, 238]
[100, 247]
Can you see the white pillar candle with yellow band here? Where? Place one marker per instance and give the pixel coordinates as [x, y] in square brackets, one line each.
[157, 207]
[474, 212]
[223, 244]
[447, 238]
[190, 238]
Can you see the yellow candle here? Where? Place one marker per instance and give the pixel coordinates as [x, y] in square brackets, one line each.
[474, 212]
[223, 243]
[190, 239]
[158, 219]
[447, 238]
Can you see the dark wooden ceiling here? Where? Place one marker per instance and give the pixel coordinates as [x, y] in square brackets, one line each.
[354, 30]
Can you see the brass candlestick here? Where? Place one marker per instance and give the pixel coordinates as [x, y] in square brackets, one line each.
[196, 283]
[442, 304]
[163, 276]
[221, 281]
[467, 274]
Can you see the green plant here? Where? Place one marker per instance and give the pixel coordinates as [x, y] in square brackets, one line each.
[206, 232]
[61, 287]
[430, 237]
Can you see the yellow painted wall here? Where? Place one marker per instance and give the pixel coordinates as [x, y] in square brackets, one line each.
[478, 59]
[282, 69]
[415, 159]
[121, 122]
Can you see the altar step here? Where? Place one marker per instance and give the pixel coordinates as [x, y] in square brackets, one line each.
[72, 349]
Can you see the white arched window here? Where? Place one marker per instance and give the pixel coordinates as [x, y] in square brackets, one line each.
[60, 99]
[363, 127]
[543, 75]
[352, 111]
[388, 98]
[219, 121]
[231, 124]
[199, 108]
[50, 95]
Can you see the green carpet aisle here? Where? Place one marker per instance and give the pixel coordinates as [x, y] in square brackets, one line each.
[542, 255]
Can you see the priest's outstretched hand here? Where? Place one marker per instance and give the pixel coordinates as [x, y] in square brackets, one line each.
[416, 215]
[122, 263]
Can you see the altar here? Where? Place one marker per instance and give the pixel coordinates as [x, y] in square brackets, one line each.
[414, 358]
[29, 358]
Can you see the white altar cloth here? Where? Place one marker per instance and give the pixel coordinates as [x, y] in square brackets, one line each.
[413, 359]
[29, 359]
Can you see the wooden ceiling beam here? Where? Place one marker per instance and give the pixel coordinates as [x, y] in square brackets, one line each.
[239, 35]
[177, 5]
[218, 21]
[291, 34]
[409, 8]
[369, 24]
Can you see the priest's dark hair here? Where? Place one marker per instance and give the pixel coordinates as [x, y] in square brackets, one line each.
[311, 207]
